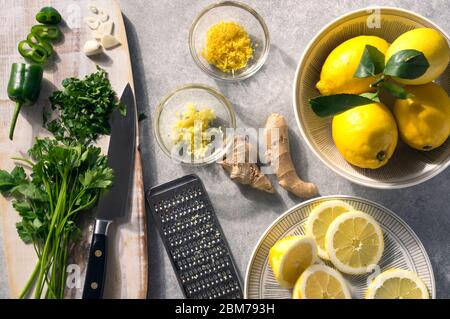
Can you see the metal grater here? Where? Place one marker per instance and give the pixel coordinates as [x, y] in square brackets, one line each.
[194, 240]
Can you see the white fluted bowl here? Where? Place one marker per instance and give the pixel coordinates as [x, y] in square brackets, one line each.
[407, 166]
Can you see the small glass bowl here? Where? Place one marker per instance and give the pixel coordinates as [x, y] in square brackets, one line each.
[175, 103]
[239, 13]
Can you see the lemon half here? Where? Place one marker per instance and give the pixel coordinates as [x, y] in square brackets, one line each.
[354, 241]
[321, 282]
[290, 256]
[320, 218]
[397, 284]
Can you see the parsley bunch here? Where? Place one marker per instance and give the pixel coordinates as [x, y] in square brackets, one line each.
[68, 174]
[66, 179]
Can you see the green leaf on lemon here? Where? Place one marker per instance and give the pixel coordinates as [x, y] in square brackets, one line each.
[371, 63]
[395, 90]
[373, 96]
[330, 105]
[407, 64]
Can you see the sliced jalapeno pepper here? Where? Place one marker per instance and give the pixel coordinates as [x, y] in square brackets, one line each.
[32, 52]
[48, 15]
[35, 39]
[47, 32]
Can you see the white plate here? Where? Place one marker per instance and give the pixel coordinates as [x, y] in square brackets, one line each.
[403, 249]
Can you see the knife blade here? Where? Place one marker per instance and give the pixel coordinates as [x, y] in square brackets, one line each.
[113, 204]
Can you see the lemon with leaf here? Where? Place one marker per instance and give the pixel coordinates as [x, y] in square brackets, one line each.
[426, 52]
[338, 71]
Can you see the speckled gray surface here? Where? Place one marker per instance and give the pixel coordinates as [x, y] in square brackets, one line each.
[158, 33]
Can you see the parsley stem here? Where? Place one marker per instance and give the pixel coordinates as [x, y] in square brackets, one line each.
[63, 264]
[30, 281]
[58, 210]
[21, 159]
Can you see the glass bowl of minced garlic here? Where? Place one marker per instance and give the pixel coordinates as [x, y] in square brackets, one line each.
[191, 124]
[229, 41]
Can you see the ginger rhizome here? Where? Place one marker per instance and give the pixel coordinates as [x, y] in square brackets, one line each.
[279, 156]
[241, 168]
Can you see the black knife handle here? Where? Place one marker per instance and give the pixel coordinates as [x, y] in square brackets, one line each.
[96, 268]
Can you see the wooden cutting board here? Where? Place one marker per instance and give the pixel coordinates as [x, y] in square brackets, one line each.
[127, 252]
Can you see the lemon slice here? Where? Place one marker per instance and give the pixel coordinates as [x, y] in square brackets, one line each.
[320, 218]
[290, 256]
[321, 282]
[354, 241]
[397, 284]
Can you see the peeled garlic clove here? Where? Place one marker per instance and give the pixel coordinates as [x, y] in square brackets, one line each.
[93, 8]
[97, 34]
[106, 28]
[92, 47]
[92, 23]
[103, 15]
[109, 41]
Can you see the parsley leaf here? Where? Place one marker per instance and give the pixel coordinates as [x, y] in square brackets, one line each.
[84, 107]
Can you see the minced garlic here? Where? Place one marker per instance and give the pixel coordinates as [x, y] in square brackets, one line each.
[228, 46]
[192, 130]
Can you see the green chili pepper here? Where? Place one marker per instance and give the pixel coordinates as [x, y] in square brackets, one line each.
[23, 88]
[35, 39]
[33, 52]
[47, 32]
[48, 15]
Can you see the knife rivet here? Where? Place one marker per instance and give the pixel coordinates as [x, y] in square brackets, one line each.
[94, 285]
[98, 253]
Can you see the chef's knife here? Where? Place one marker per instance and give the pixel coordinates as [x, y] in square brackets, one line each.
[113, 204]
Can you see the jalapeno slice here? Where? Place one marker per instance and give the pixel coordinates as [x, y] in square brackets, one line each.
[47, 32]
[35, 39]
[48, 15]
[32, 52]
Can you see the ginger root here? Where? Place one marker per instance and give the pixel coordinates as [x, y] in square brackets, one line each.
[279, 156]
[242, 171]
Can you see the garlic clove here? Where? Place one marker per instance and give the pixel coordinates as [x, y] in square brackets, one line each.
[92, 47]
[103, 15]
[93, 8]
[92, 23]
[97, 34]
[106, 27]
[109, 41]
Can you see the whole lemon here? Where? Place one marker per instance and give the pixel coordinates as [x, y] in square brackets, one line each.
[424, 119]
[432, 44]
[366, 135]
[338, 71]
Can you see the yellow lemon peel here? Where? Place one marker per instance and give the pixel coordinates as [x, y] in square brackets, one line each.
[228, 46]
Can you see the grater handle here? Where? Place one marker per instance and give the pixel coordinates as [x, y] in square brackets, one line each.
[96, 268]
